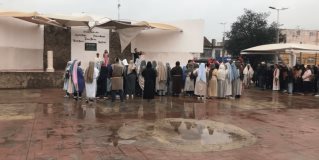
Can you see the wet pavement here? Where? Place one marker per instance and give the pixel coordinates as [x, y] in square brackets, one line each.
[262, 125]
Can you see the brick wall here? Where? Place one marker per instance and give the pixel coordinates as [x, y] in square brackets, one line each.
[115, 48]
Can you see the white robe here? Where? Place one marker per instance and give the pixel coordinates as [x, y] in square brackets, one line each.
[200, 86]
[228, 85]
[91, 87]
[276, 84]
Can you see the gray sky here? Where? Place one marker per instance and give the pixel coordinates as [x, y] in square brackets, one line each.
[301, 13]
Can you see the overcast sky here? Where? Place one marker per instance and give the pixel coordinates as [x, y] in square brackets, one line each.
[301, 13]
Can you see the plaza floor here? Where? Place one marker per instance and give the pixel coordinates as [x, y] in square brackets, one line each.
[261, 125]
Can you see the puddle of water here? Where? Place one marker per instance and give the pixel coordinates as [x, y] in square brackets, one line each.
[186, 135]
[17, 111]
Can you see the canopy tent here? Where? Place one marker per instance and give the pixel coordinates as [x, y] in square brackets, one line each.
[32, 17]
[70, 21]
[128, 31]
[49, 19]
[283, 48]
[114, 24]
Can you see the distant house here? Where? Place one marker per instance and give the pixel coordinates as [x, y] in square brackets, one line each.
[212, 49]
[304, 37]
[208, 49]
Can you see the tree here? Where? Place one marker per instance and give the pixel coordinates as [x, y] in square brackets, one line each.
[250, 30]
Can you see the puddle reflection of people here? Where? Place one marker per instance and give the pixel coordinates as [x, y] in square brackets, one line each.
[189, 110]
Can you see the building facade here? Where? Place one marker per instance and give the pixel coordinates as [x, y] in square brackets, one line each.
[302, 37]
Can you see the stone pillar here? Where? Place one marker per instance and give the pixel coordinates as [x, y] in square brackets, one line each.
[292, 60]
[50, 61]
[276, 59]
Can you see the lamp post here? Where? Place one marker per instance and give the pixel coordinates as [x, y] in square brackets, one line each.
[278, 23]
[223, 51]
[278, 26]
[118, 9]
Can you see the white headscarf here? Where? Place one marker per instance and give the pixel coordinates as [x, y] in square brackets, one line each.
[202, 72]
[249, 71]
[221, 74]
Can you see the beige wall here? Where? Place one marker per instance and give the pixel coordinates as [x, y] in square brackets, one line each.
[172, 46]
[21, 45]
[82, 35]
[301, 36]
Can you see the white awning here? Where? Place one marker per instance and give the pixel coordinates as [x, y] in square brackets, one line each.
[282, 48]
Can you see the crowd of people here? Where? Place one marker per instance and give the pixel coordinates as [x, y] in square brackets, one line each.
[300, 79]
[203, 80]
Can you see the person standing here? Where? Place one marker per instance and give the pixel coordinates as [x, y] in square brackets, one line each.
[212, 81]
[201, 85]
[161, 79]
[169, 79]
[78, 80]
[149, 75]
[67, 78]
[221, 77]
[140, 85]
[317, 81]
[102, 82]
[130, 80]
[177, 79]
[90, 76]
[105, 58]
[98, 61]
[248, 75]
[276, 74]
[236, 82]
[136, 54]
[189, 80]
[307, 77]
[117, 80]
[229, 80]
[290, 80]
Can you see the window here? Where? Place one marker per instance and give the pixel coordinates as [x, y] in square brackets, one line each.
[311, 60]
[311, 34]
[298, 33]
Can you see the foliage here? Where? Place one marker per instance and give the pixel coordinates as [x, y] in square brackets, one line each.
[250, 30]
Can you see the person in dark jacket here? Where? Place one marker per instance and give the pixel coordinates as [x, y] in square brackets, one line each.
[102, 82]
[177, 79]
[149, 75]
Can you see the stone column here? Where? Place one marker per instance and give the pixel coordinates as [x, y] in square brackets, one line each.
[50, 61]
[276, 57]
[292, 60]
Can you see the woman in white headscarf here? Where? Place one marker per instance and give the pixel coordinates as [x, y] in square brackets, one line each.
[201, 81]
[161, 79]
[248, 75]
[67, 78]
[90, 76]
[221, 77]
[212, 81]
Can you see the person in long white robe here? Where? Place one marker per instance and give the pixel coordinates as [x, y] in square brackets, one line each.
[221, 77]
[189, 82]
[161, 79]
[275, 82]
[67, 78]
[201, 85]
[91, 75]
[248, 75]
[228, 81]
[236, 82]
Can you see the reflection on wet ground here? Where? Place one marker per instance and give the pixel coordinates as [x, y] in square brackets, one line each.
[40, 124]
